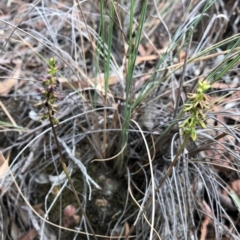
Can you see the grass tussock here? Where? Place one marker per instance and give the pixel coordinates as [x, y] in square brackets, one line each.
[146, 141]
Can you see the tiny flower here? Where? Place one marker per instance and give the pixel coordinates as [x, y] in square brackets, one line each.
[191, 95]
[55, 121]
[201, 123]
[187, 107]
[193, 134]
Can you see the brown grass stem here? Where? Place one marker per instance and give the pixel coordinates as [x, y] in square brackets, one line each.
[67, 174]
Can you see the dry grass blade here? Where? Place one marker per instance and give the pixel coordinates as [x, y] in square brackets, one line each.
[4, 165]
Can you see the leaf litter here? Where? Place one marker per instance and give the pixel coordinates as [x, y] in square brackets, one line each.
[79, 133]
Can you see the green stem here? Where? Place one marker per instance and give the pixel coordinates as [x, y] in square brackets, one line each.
[172, 165]
[67, 174]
